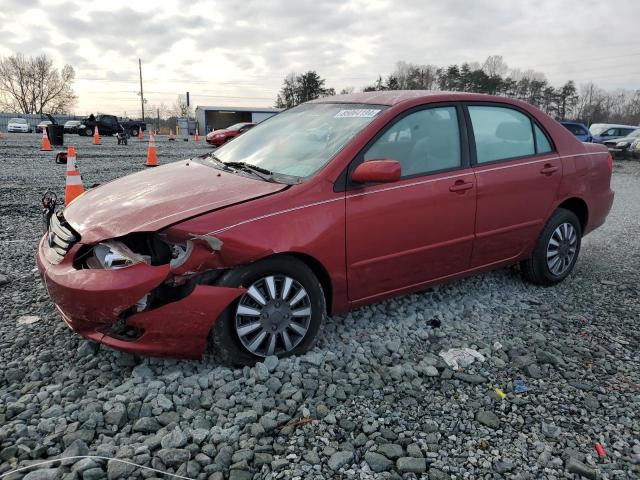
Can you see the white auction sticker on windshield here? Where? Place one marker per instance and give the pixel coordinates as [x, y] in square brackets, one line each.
[357, 113]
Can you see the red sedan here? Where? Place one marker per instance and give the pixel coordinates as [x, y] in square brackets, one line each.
[330, 205]
[222, 136]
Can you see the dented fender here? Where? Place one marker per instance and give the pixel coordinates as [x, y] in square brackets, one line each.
[200, 256]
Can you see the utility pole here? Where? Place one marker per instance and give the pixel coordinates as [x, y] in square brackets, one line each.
[141, 92]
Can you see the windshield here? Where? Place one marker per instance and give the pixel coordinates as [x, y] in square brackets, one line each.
[597, 129]
[17, 120]
[635, 133]
[301, 140]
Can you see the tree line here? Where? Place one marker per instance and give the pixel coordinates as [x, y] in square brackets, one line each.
[588, 103]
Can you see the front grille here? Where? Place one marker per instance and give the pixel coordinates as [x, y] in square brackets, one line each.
[60, 238]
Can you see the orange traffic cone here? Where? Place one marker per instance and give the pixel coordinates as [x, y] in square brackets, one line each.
[45, 146]
[96, 136]
[171, 136]
[140, 136]
[152, 156]
[196, 137]
[1, 135]
[73, 187]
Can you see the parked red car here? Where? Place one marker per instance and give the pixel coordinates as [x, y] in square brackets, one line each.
[334, 204]
[219, 137]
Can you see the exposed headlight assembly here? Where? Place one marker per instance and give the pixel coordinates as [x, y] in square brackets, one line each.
[113, 255]
[622, 144]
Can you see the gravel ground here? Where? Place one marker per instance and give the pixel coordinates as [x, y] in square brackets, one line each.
[372, 400]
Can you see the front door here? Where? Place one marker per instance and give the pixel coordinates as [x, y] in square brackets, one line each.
[421, 228]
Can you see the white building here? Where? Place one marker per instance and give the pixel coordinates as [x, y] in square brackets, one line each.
[215, 118]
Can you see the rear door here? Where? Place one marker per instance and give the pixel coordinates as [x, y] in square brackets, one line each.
[420, 228]
[518, 174]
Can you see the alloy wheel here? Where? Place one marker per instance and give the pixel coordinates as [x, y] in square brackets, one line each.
[273, 316]
[561, 248]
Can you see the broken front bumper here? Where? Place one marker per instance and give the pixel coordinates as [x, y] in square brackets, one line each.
[93, 302]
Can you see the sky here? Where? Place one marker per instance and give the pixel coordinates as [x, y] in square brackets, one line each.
[237, 52]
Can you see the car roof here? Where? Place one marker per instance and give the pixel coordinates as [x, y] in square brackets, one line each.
[568, 122]
[394, 97]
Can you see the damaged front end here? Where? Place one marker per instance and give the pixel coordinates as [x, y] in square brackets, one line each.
[145, 292]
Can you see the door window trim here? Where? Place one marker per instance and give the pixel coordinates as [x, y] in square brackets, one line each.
[343, 182]
[473, 156]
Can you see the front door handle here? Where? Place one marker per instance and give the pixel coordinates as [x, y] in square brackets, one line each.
[548, 169]
[460, 186]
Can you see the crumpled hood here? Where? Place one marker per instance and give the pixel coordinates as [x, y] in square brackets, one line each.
[155, 198]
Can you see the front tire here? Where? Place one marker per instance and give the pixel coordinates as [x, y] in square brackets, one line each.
[556, 251]
[134, 131]
[280, 314]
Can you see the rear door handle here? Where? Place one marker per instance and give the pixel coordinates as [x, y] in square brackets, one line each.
[460, 186]
[548, 169]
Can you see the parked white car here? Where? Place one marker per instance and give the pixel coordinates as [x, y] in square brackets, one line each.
[18, 125]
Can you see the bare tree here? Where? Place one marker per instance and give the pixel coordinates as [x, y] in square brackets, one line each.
[495, 65]
[33, 85]
[180, 108]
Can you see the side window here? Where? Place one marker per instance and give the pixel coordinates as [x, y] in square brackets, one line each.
[424, 141]
[500, 133]
[542, 142]
[612, 132]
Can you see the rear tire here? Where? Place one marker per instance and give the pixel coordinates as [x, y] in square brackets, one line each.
[556, 250]
[88, 132]
[225, 339]
[134, 131]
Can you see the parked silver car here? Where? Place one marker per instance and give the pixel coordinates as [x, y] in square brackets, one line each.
[601, 132]
[71, 126]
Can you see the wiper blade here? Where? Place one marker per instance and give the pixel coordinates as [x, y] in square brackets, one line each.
[213, 157]
[263, 173]
[249, 166]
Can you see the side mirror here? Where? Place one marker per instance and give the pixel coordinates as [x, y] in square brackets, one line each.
[382, 171]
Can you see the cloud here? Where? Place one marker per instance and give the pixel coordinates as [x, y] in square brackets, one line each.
[246, 48]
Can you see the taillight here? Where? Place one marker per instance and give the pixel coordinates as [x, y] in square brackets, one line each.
[610, 164]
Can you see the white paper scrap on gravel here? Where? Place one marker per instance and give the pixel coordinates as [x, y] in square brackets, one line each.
[28, 319]
[456, 357]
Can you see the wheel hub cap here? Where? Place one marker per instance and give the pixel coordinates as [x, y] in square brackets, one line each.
[273, 316]
[561, 249]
